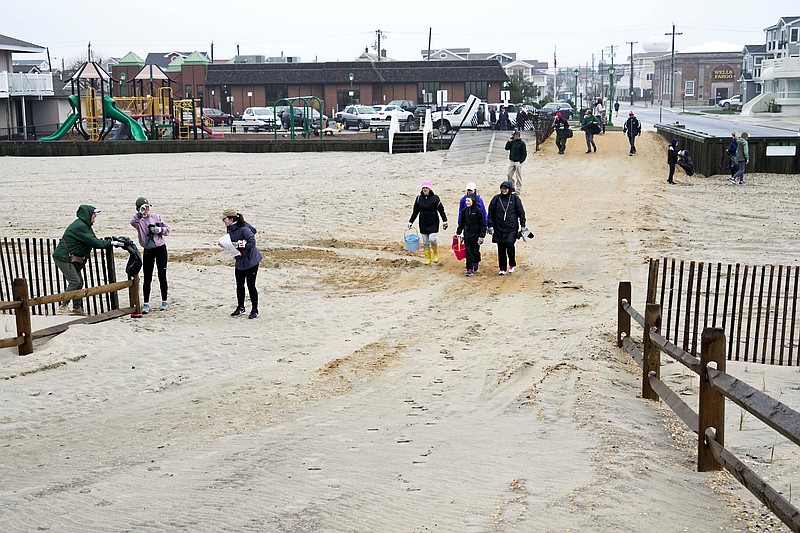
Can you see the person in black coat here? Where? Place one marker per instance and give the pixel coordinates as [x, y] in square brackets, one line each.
[429, 208]
[632, 129]
[672, 159]
[472, 228]
[506, 215]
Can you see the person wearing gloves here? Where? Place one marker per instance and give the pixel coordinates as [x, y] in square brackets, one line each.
[591, 127]
[243, 237]
[506, 215]
[73, 251]
[429, 208]
[151, 229]
[472, 228]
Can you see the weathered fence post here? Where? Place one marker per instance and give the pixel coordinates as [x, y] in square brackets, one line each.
[623, 318]
[133, 295]
[651, 362]
[19, 289]
[112, 276]
[712, 402]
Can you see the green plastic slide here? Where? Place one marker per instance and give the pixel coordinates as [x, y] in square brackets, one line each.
[111, 110]
[67, 125]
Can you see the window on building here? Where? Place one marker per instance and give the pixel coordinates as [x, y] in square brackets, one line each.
[187, 92]
[650, 76]
[274, 92]
[794, 35]
[426, 92]
[688, 86]
[757, 60]
[200, 92]
[478, 88]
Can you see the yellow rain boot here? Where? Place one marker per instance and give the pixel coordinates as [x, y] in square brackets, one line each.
[435, 248]
[427, 257]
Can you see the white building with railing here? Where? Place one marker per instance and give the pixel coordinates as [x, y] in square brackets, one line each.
[19, 93]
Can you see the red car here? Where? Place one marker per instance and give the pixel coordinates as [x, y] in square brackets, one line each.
[217, 116]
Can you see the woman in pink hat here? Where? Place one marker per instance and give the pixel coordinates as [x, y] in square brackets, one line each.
[429, 208]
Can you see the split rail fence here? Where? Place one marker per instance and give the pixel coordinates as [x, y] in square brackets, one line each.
[748, 314]
[31, 284]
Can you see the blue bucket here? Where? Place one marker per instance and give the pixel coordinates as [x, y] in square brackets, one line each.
[411, 241]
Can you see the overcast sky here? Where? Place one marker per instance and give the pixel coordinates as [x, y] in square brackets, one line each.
[328, 30]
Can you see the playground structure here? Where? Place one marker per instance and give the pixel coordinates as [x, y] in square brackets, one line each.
[155, 116]
[310, 127]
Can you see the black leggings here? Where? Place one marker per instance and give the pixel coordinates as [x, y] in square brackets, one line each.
[248, 275]
[156, 256]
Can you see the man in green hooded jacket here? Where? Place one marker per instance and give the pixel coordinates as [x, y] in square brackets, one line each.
[73, 250]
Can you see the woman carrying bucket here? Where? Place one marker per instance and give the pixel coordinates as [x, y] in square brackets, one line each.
[429, 208]
[472, 228]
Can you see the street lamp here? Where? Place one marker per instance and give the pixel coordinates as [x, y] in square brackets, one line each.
[575, 94]
[610, 92]
[350, 75]
[122, 83]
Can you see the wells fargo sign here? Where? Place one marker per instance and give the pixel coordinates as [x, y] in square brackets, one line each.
[722, 74]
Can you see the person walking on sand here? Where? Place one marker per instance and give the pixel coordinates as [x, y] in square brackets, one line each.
[561, 125]
[429, 208]
[243, 238]
[471, 228]
[151, 229]
[73, 250]
[616, 108]
[731, 155]
[505, 216]
[632, 129]
[472, 191]
[672, 159]
[517, 154]
[742, 157]
[591, 127]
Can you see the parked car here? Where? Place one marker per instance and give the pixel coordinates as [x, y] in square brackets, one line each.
[264, 114]
[734, 102]
[299, 116]
[387, 111]
[357, 115]
[551, 108]
[217, 116]
[408, 105]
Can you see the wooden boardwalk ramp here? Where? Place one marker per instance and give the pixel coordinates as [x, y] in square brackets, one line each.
[471, 147]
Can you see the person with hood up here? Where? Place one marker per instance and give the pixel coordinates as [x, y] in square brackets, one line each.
[151, 229]
[506, 215]
[632, 129]
[591, 127]
[73, 250]
[672, 159]
[472, 228]
[742, 157]
[429, 208]
[243, 237]
[561, 125]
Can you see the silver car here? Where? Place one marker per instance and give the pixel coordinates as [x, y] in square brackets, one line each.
[357, 115]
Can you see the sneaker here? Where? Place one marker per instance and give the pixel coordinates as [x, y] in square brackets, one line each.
[145, 309]
[469, 273]
[502, 273]
[238, 311]
[475, 267]
[164, 305]
[511, 270]
[732, 179]
[253, 314]
[63, 309]
[78, 311]
[742, 183]
[588, 151]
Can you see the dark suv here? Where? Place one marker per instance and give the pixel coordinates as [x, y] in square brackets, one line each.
[406, 105]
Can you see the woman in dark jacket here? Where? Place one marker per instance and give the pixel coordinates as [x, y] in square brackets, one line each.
[472, 228]
[506, 215]
[429, 208]
[243, 237]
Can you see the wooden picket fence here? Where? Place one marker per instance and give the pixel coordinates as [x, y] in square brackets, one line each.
[715, 384]
[755, 305]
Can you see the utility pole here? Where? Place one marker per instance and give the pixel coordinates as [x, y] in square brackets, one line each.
[630, 89]
[672, 67]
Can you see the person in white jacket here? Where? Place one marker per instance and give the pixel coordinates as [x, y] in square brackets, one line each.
[151, 229]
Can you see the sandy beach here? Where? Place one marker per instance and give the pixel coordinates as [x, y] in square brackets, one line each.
[376, 393]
